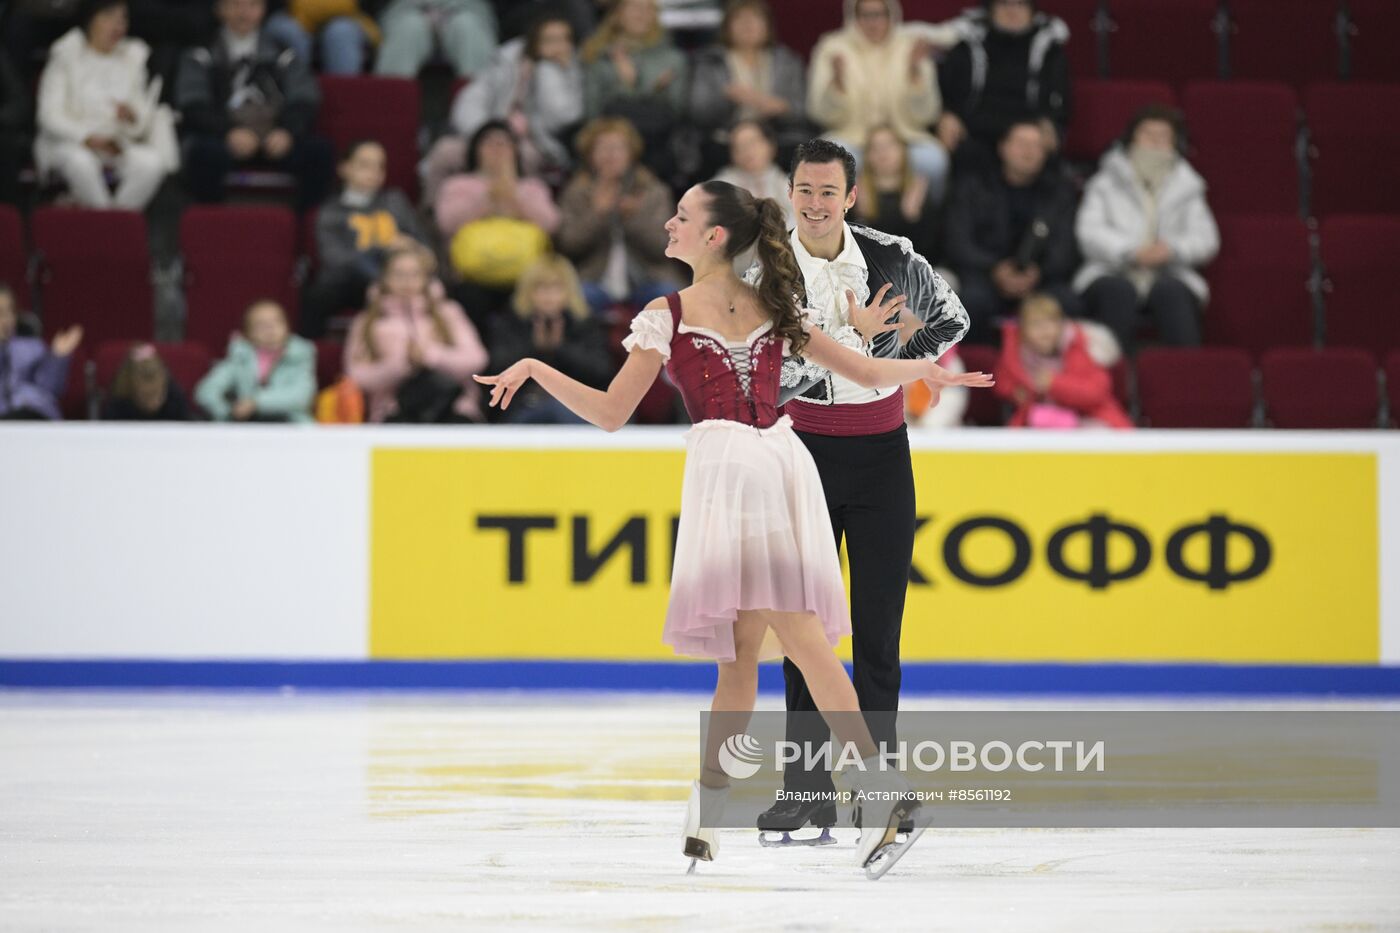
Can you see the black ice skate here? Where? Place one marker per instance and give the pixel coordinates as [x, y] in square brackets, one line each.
[777, 824]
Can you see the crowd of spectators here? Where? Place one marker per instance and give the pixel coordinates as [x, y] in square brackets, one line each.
[543, 198]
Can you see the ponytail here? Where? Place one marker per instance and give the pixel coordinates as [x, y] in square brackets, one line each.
[760, 221]
[780, 289]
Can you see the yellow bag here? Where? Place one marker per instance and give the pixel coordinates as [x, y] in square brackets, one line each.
[342, 403]
[495, 251]
[313, 14]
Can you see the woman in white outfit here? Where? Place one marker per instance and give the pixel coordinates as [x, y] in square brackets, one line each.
[97, 113]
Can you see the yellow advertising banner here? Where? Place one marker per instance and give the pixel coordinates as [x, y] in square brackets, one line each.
[1168, 557]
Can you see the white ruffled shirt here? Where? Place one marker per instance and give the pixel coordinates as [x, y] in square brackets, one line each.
[827, 283]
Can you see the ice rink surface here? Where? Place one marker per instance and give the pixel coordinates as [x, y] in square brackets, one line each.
[470, 811]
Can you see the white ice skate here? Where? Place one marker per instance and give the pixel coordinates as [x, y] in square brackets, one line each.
[702, 842]
[882, 810]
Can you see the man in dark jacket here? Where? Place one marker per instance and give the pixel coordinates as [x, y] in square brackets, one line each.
[247, 101]
[1009, 66]
[1010, 231]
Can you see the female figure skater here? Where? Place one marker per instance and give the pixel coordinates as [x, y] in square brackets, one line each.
[755, 553]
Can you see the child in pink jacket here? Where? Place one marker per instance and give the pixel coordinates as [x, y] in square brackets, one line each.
[413, 348]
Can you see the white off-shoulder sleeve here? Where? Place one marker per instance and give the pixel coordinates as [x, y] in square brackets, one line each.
[651, 330]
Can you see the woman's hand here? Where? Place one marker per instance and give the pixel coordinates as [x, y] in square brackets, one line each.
[938, 376]
[505, 385]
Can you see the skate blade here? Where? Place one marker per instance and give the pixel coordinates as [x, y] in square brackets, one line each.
[697, 850]
[769, 840]
[885, 857]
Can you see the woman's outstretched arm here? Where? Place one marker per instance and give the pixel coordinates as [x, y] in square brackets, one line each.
[609, 409]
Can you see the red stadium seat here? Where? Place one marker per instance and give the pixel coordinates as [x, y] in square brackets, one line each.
[1083, 46]
[1259, 295]
[75, 395]
[1339, 391]
[1101, 112]
[1244, 139]
[1165, 40]
[1285, 40]
[1359, 256]
[95, 271]
[933, 11]
[14, 257]
[984, 409]
[1392, 386]
[1355, 146]
[387, 110]
[233, 257]
[330, 361]
[188, 363]
[800, 23]
[1372, 39]
[1205, 387]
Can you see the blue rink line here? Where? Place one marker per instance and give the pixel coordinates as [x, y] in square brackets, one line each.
[919, 677]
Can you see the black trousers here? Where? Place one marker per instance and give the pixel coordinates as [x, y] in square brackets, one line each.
[311, 162]
[869, 485]
[1114, 300]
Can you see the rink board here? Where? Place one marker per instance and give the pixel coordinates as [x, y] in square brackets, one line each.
[1159, 561]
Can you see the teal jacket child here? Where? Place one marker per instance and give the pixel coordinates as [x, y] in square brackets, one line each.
[289, 392]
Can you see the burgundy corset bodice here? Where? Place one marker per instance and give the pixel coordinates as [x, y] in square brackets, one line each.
[709, 377]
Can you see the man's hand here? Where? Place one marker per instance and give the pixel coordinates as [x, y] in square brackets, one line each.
[950, 130]
[277, 144]
[242, 142]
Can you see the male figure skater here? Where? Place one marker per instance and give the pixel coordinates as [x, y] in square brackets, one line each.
[858, 439]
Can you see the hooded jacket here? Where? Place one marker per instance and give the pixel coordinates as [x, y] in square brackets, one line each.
[69, 112]
[1084, 384]
[993, 78]
[289, 390]
[877, 88]
[1112, 223]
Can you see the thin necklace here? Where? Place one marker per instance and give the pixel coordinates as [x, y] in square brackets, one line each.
[731, 300]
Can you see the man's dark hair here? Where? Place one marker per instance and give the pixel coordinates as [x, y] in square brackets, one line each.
[823, 152]
[1162, 113]
[1015, 125]
[87, 10]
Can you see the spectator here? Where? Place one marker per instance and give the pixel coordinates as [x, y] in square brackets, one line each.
[1056, 372]
[353, 233]
[496, 220]
[878, 71]
[1009, 67]
[1144, 229]
[144, 391]
[535, 84]
[632, 70]
[752, 150]
[893, 197]
[32, 377]
[1011, 232]
[341, 27]
[268, 375]
[97, 113]
[946, 409]
[247, 101]
[747, 75]
[15, 139]
[413, 352]
[550, 323]
[613, 216]
[465, 30]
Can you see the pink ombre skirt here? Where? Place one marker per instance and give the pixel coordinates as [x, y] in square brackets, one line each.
[754, 534]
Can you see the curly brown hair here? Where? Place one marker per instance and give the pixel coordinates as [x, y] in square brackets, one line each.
[760, 222]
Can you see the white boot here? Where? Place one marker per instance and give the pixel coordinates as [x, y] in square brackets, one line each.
[884, 806]
[702, 842]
